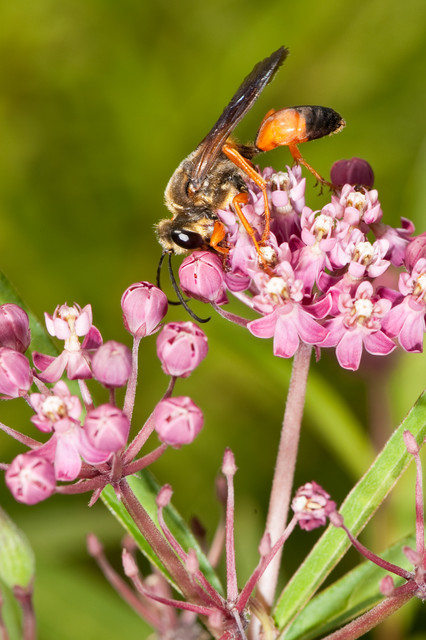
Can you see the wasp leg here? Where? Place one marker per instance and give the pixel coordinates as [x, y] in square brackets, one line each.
[218, 235]
[297, 157]
[246, 166]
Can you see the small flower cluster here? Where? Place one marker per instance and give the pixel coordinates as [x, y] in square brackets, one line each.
[88, 444]
[320, 274]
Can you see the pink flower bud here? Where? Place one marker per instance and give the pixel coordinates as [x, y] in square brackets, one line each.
[164, 496]
[312, 505]
[355, 171]
[15, 374]
[414, 251]
[229, 468]
[112, 364]
[14, 328]
[30, 478]
[410, 443]
[181, 346]
[107, 428]
[144, 306]
[177, 421]
[201, 277]
[387, 586]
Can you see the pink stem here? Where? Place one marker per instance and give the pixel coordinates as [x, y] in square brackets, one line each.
[285, 465]
[263, 564]
[387, 566]
[24, 597]
[136, 445]
[86, 395]
[232, 317]
[20, 437]
[228, 469]
[157, 542]
[129, 400]
[375, 616]
[141, 463]
[122, 588]
[210, 591]
[420, 522]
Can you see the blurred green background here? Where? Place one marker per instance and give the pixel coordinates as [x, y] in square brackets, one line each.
[99, 102]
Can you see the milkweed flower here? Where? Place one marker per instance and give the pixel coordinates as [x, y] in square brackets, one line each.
[69, 324]
[314, 277]
[144, 306]
[14, 328]
[181, 347]
[15, 374]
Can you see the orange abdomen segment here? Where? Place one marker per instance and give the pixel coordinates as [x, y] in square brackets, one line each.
[294, 125]
[281, 128]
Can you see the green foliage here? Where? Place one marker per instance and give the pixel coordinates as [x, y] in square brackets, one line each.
[99, 102]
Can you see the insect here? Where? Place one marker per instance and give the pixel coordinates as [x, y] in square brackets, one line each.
[213, 176]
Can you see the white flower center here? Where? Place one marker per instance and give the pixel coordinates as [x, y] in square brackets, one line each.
[363, 308]
[357, 200]
[323, 224]
[277, 288]
[54, 408]
[269, 254]
[364, 252]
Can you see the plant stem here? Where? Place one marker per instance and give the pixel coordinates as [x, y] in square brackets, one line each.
[375, 616]
[282, 483]
[158, 543]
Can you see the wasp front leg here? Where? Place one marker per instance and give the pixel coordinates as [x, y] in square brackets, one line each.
[246, 166]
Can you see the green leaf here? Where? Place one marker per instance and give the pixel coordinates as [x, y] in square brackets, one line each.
[347, 598]
[357, 509]
[146, 488]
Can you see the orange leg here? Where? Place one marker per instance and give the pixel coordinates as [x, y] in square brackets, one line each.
[250, 171]
[297, 156]
[217, 236]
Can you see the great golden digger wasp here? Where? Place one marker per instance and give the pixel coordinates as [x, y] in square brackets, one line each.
[213, 176]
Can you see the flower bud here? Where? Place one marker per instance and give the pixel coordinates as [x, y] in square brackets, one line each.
[112, 364]
[14, 328]
[144, 306]
[181, 346]
[177, 421]
[355, 171]
[415, 250]
[30, 478]
[387, 586]
[201, 277]
[17, 564]
[15, 374]
[107, 428]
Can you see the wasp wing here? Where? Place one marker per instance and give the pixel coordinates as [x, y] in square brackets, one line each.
[246, 95]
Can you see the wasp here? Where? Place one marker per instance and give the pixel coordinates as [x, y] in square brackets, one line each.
[213, 176]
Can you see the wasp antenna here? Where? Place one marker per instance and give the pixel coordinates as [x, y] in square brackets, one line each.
[182, 300]
[160, 264]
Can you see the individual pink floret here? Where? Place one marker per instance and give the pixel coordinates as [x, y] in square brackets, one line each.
[177, 420]
[144, 306]
[358, 325]
[14, 328]
[181, 346]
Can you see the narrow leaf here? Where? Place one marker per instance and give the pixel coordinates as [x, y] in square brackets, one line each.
[347, 598]
[357, 509]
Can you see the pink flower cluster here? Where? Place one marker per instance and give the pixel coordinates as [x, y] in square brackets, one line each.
[91, 448]
[320, 275]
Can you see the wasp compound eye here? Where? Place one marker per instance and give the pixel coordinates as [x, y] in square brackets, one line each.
[187, 239]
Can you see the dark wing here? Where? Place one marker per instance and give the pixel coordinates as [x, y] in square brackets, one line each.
[247, 94]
